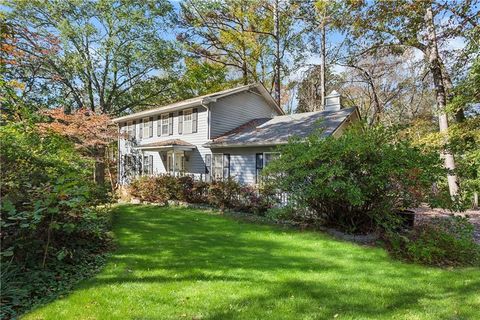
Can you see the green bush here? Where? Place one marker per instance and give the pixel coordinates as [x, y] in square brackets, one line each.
[356, 181]
[440, 242]
[49, 217]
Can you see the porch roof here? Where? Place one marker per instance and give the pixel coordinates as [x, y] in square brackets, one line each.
[170, 144]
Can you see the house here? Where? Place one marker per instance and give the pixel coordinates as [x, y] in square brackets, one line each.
[231, 133]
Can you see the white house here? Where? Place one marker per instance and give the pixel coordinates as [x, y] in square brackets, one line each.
[231, 133]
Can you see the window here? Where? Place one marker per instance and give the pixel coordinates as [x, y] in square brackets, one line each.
[165, 122]
[220, 166]
[258, 167]
[226, 166]
[269, 157]
[147, 127]
[148, 165]
[187, 121]
[130, 130]
[208, 163]
[261, 161]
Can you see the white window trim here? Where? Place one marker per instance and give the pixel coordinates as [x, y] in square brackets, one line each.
[212, 165]
[190, 113]
[164, 124]
[146, 126]
[130, 130]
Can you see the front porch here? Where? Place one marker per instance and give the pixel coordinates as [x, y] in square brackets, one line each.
[174, 155]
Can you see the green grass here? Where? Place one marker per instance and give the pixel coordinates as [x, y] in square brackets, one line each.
[174, 263]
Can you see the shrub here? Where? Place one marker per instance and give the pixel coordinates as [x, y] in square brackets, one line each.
[356, 181]
[441, 242]
[199, 192]
[224, 193]
[255, 200]
[151, 189]
[49, 216]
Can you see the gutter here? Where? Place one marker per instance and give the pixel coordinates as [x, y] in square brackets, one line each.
[244, 145]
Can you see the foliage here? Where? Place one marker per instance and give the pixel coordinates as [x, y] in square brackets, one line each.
[223, 194]
[100, 55]
[441, 242]
[148, 189]
[356, 181]
[202, 77]
[48, 218]
[241, 36]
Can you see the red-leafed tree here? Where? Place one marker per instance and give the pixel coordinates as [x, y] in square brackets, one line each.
[92, 133]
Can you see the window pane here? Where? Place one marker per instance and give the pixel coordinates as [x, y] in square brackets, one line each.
[270, 156]
[187, 121]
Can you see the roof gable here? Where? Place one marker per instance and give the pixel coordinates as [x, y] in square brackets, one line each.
[203, 100]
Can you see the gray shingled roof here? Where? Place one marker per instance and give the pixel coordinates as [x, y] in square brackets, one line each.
[279, 129]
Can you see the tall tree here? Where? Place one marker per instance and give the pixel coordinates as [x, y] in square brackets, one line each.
[246, 36]
[425, 26]
[106, 50]
[319, 19]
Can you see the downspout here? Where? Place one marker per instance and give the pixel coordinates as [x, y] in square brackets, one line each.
[208, 118]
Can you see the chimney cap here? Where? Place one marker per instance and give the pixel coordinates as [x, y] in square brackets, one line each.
[332, 101]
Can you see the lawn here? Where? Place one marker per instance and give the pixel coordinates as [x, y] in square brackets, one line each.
[177, 263]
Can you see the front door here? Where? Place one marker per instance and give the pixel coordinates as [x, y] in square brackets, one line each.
[179, 160]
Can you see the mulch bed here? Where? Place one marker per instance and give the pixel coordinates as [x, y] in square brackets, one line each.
[423, 214]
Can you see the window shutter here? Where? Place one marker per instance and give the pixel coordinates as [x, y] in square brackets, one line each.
[258, 166]
[150, 162]
[180, 122]
[208, 163]
[134, 125]
[159, 126]
[150, 123]
[140, 122]
[170, 124]
[194, 120]
[226, 165]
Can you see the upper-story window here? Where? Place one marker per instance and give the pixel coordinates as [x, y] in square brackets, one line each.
[147, 128]
[187, 121]
[165, 122]
[130, 130]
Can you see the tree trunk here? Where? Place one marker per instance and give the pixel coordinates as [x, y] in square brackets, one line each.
[323, 65]
[276, 32]
[99, 172]
[441, 97]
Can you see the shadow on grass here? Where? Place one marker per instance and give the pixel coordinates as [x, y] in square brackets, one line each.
[310, 274]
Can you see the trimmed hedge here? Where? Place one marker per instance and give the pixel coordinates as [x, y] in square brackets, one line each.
[225, 194]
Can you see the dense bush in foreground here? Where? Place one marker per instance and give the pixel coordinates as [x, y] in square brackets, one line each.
[357, 181]
[441, 242]
[51, 229]
[226, 194]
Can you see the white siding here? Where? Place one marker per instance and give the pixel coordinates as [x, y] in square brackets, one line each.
[235, 110]
[243, 162]
[195, 164]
